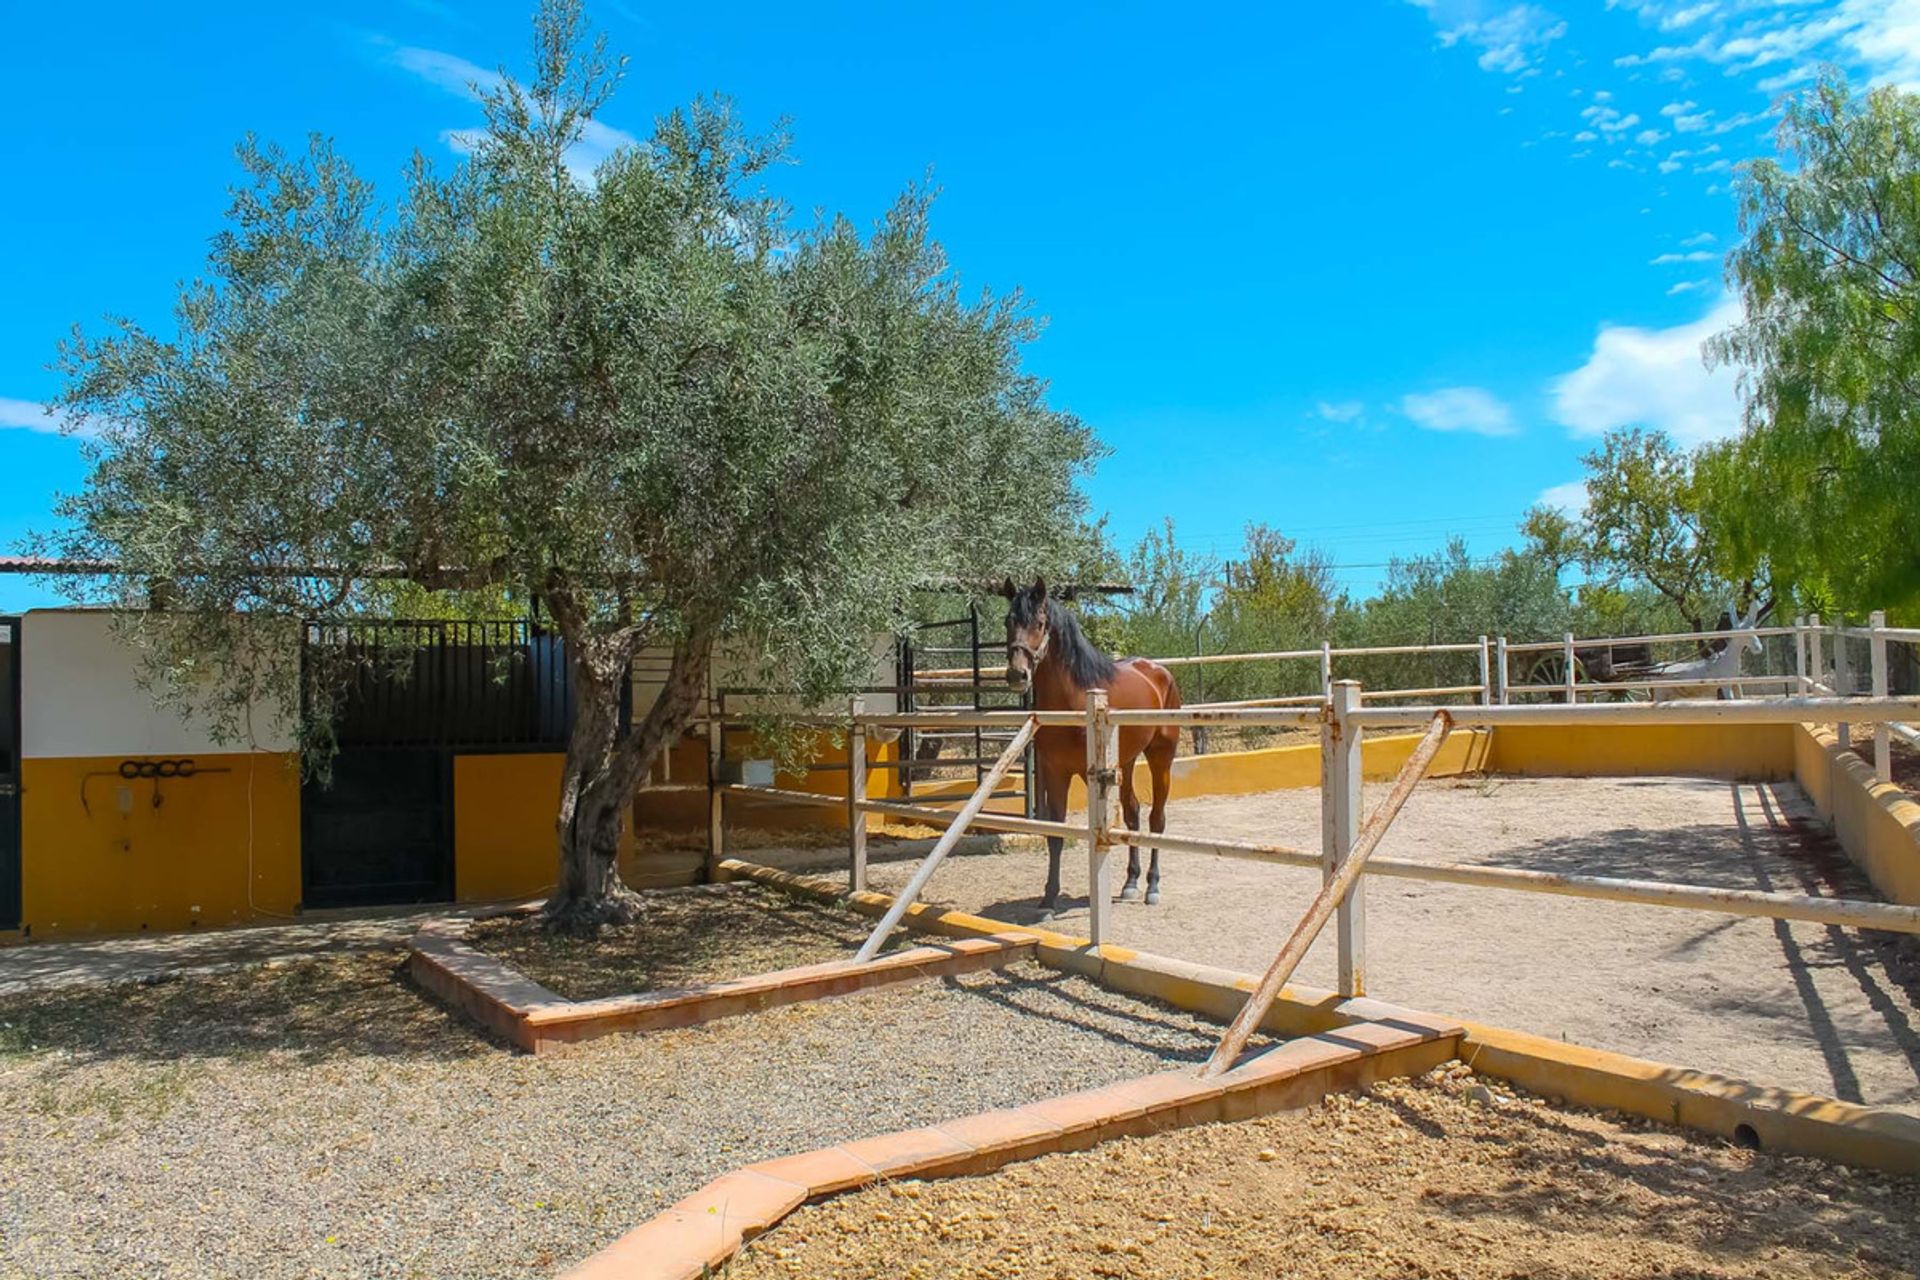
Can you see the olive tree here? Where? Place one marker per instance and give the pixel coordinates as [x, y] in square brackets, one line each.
[650, 401]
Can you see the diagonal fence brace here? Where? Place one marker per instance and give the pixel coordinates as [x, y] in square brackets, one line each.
[924, 872]
[1329, 899]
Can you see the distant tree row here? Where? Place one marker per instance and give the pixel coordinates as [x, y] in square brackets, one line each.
[1815, 506]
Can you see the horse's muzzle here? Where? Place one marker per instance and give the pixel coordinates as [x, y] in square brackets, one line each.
[1019, 680]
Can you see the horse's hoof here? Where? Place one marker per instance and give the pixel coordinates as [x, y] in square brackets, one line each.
[1153, 897]
[1128, 893]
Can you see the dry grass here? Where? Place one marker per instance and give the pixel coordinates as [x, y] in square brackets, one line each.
[707, 933]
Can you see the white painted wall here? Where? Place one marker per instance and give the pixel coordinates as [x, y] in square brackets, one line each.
[733, 671]
[80, 696]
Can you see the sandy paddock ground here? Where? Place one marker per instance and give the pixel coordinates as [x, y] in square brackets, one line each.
[1828, 1010]
[1441, 1177]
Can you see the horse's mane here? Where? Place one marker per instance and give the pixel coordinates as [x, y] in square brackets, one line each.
[1090, 668]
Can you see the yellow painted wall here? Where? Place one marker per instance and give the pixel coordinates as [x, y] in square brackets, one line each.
[1875, 822]
[504, 807]
[504, 844]
[881, 784]
[92, 869]
[1714, 751]
[1234, 773]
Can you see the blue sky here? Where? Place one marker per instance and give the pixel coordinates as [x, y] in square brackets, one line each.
[1375, 272]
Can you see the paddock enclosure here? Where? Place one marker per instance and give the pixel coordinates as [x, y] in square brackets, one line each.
[1825, 1010]
[1429, 959]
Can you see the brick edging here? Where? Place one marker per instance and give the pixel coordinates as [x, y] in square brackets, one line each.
[697, 1235]
[535, 1019]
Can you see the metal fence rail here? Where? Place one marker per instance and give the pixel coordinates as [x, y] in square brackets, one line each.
[1344, 720]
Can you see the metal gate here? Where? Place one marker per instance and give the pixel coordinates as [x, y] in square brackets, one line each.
[9, 773]
[955, 646]
[377, 828]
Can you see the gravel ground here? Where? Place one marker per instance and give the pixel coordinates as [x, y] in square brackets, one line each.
[1441, 1177]
[707, 933]
[42, 966]
[1828, 1010]
[320, 1117]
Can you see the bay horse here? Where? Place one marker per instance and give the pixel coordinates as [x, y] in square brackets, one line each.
[1050, 655]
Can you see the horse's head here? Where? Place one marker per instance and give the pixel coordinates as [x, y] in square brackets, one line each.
[1028, 631]
[1737, 630]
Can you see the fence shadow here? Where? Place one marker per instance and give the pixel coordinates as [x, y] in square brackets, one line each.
[1773, 845]
[1171, 1034]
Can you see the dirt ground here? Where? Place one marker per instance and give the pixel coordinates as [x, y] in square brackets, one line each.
[1828, 1010]
[708, 933]
[1905, 759]
[1441, 1177]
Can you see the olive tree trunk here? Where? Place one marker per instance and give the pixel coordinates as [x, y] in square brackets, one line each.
[604, 768]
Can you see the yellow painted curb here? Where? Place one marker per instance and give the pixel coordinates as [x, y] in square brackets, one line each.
[1737, 1110]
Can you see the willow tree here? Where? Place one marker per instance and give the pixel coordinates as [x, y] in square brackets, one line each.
[1823, 481]
[647, 399]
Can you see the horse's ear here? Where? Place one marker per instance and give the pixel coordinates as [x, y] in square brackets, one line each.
[1039, 588]
[1007, 588]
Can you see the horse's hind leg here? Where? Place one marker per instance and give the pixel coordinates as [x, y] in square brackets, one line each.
[1160, 769]
[1130, 813]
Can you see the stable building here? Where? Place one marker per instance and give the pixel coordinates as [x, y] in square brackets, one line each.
[118, 815]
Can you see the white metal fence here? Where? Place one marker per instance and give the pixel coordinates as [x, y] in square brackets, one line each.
[1343, 720]
[1808, 657]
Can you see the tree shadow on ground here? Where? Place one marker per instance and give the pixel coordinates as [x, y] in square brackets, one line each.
[313, 1009]
[686, 937]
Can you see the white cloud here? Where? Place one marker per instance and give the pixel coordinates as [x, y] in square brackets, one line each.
[1508, 41]
[1652, 378]
[1472, 409]
[1879, 38]
[1340, 410]
[1569, 499]
[1648, 137]
[1704, 237]
[468, 80]
[28, 415]
[1586, 135]
[1689, 286]
[1608, 119]
[1692, 255]
[447, 71]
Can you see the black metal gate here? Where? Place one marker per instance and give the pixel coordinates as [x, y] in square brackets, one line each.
[377, 827]
[379, 831]
[977, 683]
[9, 773]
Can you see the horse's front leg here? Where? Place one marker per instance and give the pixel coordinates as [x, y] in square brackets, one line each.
[1160, 769]
[1130, 811]
[1053, 807]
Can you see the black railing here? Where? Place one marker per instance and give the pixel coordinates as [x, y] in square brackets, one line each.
[474, 685]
